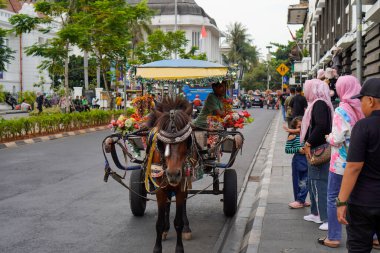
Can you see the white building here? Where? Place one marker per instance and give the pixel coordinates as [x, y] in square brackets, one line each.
[190, 18]
[29, 72]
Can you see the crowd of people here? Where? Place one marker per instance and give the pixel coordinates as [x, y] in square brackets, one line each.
[79, 103]
[334, 136]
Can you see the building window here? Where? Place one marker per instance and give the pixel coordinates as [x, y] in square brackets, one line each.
[195, 36]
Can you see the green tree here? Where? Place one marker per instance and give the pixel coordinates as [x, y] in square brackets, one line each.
[191, 55]
[103, 29]
[242, 53]
[76, 73]
[50, 10]
[287, 54]
[54, 54]
[256, 79]
[138, 28]
[2, 94]
[6, 53]
[161, 45]
[23, 23]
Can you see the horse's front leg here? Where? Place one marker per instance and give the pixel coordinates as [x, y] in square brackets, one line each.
[160, 224]
[186, 232]
[167, 218]
[178, 221]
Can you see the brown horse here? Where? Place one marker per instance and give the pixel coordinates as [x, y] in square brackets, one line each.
[171, 123]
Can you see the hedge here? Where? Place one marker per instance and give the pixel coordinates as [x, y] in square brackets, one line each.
[44, 124]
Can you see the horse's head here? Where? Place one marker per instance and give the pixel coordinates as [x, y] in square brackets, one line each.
[174, 131]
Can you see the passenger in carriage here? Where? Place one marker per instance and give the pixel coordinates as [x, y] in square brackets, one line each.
[213, 104]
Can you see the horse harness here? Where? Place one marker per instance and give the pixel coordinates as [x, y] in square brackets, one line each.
[160, 141]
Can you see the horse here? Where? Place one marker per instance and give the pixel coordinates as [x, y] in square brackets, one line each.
[168, 152]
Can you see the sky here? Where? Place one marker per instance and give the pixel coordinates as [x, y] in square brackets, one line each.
[266, 20]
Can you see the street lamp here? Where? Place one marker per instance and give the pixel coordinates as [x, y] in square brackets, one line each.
[268, 60]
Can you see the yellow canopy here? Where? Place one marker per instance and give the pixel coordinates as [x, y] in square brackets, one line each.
[180, 69]
[179, 73]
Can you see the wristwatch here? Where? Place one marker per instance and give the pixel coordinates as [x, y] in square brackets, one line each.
[339, 203]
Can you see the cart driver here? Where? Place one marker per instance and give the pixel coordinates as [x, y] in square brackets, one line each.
[213, 105]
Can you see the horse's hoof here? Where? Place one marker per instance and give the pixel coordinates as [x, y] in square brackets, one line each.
[186, 236]
[164, 236]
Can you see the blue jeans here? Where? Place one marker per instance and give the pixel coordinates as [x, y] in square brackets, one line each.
[300, 179]
[283, 112]
[335, 228]
[318, 178]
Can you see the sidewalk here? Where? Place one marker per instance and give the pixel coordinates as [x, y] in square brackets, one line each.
[276, 227]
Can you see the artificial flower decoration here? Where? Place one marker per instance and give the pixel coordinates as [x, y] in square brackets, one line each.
[126, 125]
[143, 104]
[232, 119]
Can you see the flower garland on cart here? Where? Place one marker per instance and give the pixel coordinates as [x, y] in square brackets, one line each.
[143, 104]
[230, 119]
[128, 124]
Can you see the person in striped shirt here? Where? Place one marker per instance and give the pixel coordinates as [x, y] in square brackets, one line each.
[299, 165]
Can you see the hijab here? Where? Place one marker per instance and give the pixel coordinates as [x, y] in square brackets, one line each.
[321, 74]
[314, 91]
[346, 87]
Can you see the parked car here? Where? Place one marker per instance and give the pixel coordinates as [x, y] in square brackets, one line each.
[257, 100]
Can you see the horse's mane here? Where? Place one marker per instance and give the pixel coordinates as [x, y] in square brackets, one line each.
[160, 117]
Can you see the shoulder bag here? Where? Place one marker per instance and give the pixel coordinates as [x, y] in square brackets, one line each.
[322, 153]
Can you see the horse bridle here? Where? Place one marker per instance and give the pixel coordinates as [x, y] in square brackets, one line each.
[174, 136]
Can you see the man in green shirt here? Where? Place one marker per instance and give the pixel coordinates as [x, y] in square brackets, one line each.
[213, 105]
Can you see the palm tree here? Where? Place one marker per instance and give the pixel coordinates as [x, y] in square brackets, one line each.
[242, 52]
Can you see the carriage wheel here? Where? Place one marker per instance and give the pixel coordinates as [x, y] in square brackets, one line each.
[137, 203]
[230, 193]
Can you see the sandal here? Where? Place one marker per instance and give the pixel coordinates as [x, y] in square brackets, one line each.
[323, 242]
[376, 244]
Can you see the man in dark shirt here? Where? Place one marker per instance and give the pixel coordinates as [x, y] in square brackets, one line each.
[298, 103]
[359, 196]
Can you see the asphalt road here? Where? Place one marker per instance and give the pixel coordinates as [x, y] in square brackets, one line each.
[53, 199]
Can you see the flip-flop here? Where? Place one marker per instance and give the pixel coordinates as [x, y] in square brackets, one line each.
[323, 242]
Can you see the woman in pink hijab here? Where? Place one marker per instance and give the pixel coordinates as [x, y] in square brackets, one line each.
[316, 124]
[345, 117]
[321, 74]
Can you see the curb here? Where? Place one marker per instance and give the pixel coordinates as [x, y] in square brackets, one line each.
[15, 144]
[263, 191]
[12, 112]
[237, 223]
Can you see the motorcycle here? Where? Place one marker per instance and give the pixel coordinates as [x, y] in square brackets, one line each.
[10, 100]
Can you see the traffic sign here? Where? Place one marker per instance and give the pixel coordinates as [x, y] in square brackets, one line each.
[282, 69]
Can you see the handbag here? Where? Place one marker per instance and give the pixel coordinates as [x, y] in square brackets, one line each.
[320, 155]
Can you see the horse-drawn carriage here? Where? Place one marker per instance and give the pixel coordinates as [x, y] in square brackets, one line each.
[173, 153]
